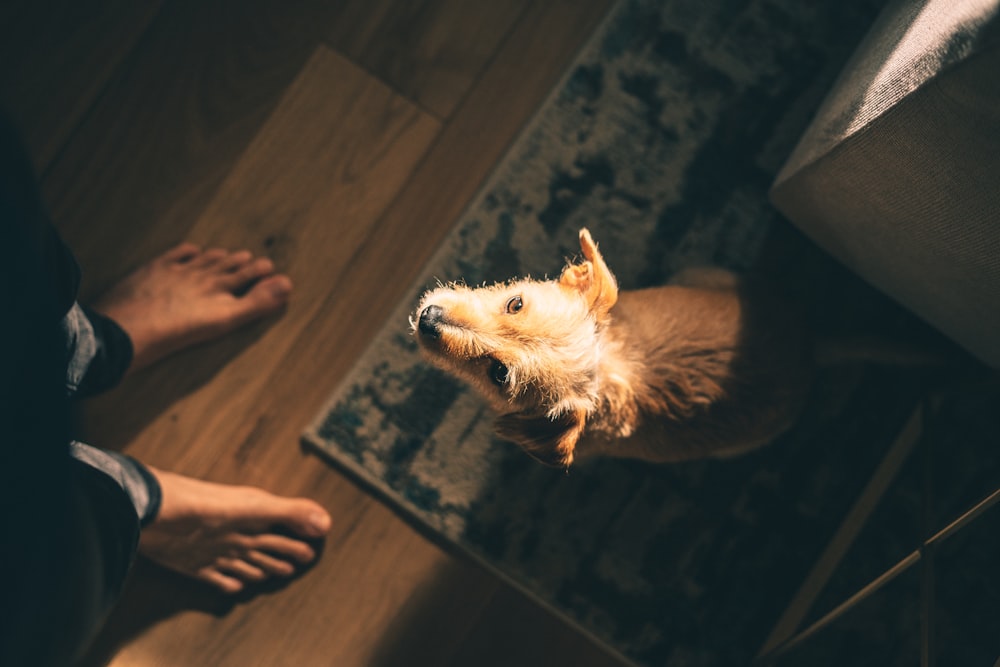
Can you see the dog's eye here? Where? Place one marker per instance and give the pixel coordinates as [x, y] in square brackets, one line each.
[499, 373]
[515, 304]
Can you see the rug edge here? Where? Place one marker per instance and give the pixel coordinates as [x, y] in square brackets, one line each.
[358, 476]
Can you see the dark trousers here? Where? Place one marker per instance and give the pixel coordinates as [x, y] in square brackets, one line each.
[70, 513]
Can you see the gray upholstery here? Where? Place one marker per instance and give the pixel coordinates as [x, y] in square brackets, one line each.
[899, 174]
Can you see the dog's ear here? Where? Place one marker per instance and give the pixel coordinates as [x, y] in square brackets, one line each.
[550, 441]
[592, 277]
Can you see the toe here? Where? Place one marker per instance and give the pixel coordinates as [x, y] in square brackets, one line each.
[208, 258]
[304, 518]
[264, 298]
[235, 260]
[285, 549]
[240, 569]
[273, 566]
[181, 253]
[307, 518]
[245, 274]
[224, 582]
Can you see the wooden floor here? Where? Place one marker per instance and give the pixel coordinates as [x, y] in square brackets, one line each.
[343, 139]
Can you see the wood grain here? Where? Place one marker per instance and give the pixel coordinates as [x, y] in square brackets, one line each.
[171, 122]
[432, 51]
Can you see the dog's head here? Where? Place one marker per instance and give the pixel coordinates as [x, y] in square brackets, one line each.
[530, 347]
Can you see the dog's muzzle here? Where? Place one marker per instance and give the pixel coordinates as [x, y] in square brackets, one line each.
[430, 318]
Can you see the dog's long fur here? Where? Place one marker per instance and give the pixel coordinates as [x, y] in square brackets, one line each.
[710, 365]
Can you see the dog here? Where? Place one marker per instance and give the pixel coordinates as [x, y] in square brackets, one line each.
[709, 365]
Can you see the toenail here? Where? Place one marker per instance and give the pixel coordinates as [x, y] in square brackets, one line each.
[281, 287]
[320, 521]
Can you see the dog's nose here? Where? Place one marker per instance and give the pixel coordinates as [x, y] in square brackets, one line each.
[429, 319]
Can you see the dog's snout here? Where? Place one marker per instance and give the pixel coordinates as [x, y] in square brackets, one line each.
[430, 317]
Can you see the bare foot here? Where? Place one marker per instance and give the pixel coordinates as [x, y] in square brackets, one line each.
[229, 536]
[188, 296]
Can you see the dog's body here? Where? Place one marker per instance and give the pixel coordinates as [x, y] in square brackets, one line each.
[709, 365]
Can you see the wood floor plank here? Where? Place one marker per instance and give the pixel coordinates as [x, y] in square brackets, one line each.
[432, 51]
[172, 121]
[55, 59]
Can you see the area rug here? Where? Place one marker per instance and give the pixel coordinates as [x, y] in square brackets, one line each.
[663, 139]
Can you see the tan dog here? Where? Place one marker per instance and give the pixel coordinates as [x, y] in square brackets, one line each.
[709, 365]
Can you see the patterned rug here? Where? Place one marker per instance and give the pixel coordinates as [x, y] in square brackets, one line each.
[663, 139]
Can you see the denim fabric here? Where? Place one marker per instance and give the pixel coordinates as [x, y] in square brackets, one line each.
[81, 347]
[133, 477]
[70, 522]
[98, 351]
[97, 354]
